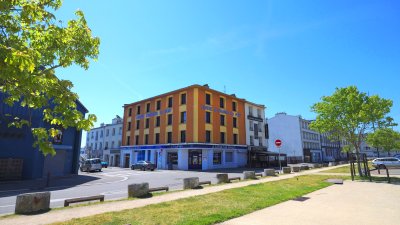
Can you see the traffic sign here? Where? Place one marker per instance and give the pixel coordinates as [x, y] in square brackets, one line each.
[278, 143]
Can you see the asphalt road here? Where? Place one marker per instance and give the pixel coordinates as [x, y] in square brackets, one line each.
[111, 182]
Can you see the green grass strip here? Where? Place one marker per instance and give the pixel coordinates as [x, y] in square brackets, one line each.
[215, 207]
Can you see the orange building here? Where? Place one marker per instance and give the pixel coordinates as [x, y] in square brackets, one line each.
[191, 128]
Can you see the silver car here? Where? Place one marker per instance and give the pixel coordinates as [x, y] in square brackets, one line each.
[389, 162]
[90, 165]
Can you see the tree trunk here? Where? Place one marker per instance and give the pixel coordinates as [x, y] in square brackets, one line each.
[377, 149]
[358, 157]
[389, 153]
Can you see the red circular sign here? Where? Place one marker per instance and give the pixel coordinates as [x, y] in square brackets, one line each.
[278, 143]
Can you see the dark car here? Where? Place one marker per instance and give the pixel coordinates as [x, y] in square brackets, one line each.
[144, 165]
[104, 164]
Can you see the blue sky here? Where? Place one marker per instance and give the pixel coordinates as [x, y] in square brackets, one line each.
[283, 54]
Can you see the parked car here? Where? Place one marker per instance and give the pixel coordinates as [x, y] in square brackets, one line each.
[389, 162]
[104, 164]
[144, 165]
[397, 156]
[90, 165]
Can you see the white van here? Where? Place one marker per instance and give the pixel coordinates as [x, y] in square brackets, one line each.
[90, 165]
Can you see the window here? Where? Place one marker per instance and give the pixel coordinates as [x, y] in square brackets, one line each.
[113, 132]
[157, 141]
[260, 141]
[234, 122]
[208, 136]
[101, 146]
[183, 136]
[169, 137]
[169, 122]
[183, 117]
[107, 133]
[137, 124]
[120, 130]
[129, 126]
[148, 107]
[106, 145]
[101, 133]
[158, 105]
[208, 117]
[233, 106]
[183, 99]
[250, 111]
[251, 140]
[228, 157]
[137, 139]
[222, 102]
[235, 139]
[169, 102]
[217, 158]
[259, 113]
[112, 144]
[251, 125]
[222, 119]
[130, 112]
[128, 141]
[97, 135]
[222, 137]
[146, 139]
[95, 146]
[208, 99]
[138, 110]
[147, 123]
[119, 143]
[157, 121]
[141, 154]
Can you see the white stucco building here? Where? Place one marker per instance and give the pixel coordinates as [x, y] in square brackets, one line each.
[255, 125]
[299, 142]
[104, 142]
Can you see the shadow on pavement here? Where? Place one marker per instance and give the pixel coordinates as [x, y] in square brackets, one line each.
[13, 188]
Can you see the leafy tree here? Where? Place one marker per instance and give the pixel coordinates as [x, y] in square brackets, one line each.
[349, 114]
[33, 43]
[385, 138]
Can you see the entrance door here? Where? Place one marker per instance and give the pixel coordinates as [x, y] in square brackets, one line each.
[156, 158]
[195, 162]
[127, 157]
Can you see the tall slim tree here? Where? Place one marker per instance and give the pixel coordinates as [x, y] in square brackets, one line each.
[385, 138]
[33, 43]
[350, 114]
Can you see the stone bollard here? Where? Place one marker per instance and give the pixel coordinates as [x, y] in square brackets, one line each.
[286, 169]
[269, 172]
[304, 167]
[222, 178]
[296, 169]
[138, 190]
[249, 175]
[332, 164]
[190, 183]
[32, 202]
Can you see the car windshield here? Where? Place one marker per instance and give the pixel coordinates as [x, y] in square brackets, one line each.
[95, 161]
[148, 162]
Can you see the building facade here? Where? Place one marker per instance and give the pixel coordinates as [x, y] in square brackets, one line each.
[299, 142]
[20, 160]
[105, 141]
[193, 128]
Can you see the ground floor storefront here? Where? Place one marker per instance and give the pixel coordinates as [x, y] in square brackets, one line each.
[186, 156]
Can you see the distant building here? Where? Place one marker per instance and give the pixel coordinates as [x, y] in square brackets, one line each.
[193, 128]
[18, 159]
[105, 141]
[299, 142]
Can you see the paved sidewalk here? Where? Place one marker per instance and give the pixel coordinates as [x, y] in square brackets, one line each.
[357, 203]
[78, 212]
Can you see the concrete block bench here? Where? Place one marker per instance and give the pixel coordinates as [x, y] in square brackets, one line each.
[222, 178]
[249, 175]
[190, 183]
[269, 172]
[286, 169]
[32, 203]
[138, 190]
[304, 167]
[296, 169]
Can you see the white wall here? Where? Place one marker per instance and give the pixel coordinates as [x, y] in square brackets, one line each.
[262, 124]
[287, 129]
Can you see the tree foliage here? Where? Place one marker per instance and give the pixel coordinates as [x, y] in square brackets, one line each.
[349, 114]
[385, 138]
[33, 43]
